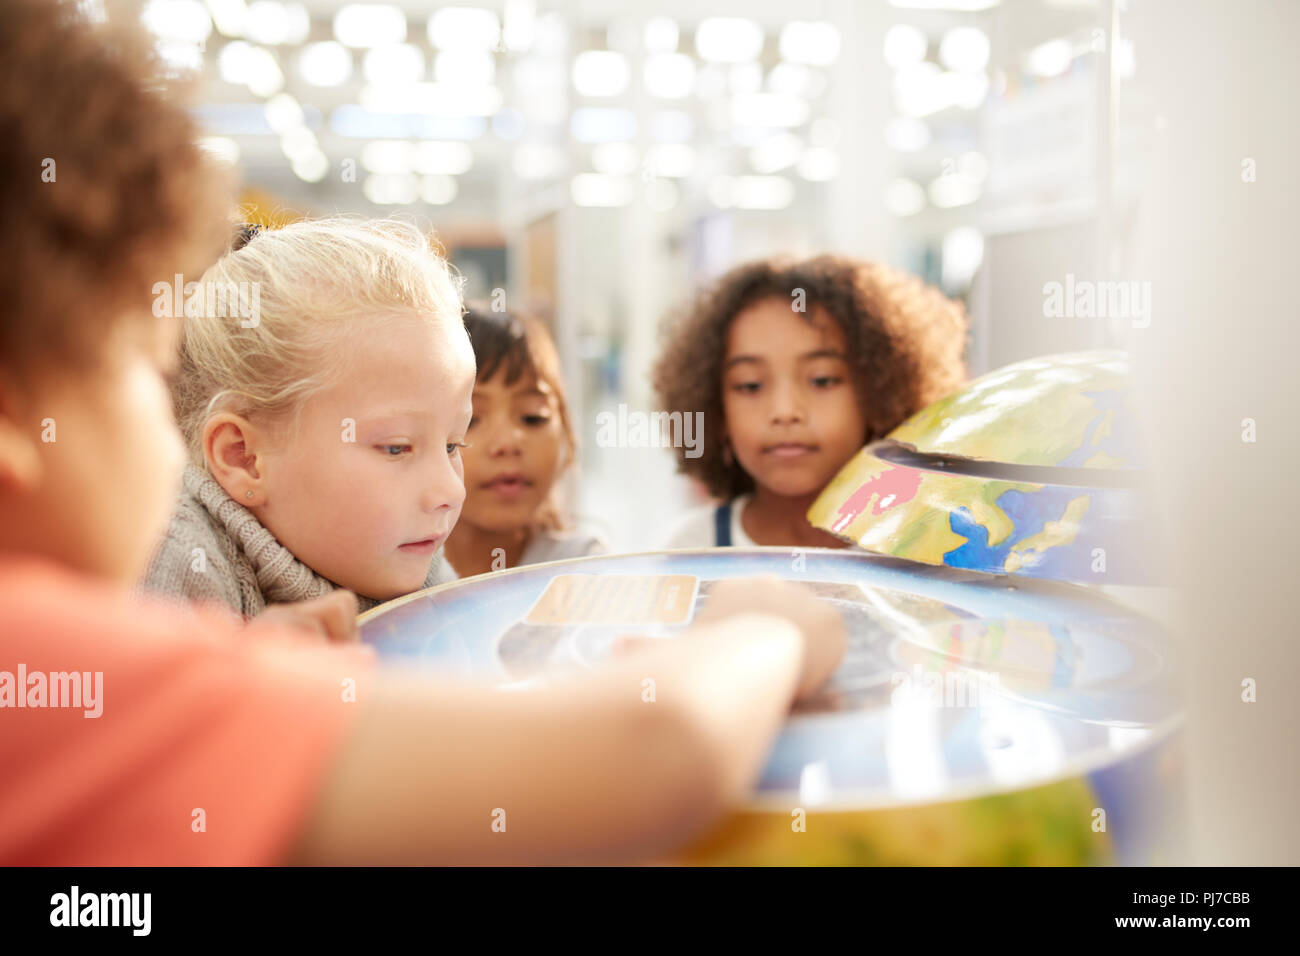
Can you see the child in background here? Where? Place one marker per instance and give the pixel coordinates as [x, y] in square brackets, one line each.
[324, 433]
[520, 443]
[186, 718]
[796, 366]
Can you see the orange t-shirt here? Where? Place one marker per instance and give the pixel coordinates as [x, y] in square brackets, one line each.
[209, 744]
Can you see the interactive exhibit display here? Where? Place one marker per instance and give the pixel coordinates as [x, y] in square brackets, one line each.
[983, 713]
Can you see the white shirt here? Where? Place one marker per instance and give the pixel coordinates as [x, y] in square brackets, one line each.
[697, 528]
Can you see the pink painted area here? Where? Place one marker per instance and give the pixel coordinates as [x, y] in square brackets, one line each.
[891, 488]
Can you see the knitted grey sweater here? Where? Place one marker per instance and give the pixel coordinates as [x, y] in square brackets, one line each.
[217, 550]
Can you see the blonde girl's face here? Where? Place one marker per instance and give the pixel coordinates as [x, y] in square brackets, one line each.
[792, 413]
[516, 452]
[369, 481]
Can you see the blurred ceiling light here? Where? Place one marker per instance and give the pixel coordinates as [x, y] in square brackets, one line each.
[761, 192]
[241, 63]
[669, 76]
[464, 28]
[769, 109]
[325, 64]
[440, 157]
[222, 148]
[918, 91]
[712, 82]
[394, 63]
[661, 35]
[904, 44]
[1051, 58]
[963, 251]
[661, 195]
[520, 27]
[600, 73]
[819, 165]
[299, 143]
[906, 134]
[615, 159]
[967, 90]
[369, 24]
[181, 55]
[600, 125]
[551, 34]
[282, 112]
[964, 49]
[952, 190]
[438, 189]
[533, 161]
[966, 6]
[671, 126]
[391, 189]
[274, 23]
[228, 16]
[312, 168]
[728, 39]
[594, 189]
[904, 197]
[789, 78]
[432, 99]
[509, 123]
[388, 157]
[357, 122]
[776, 153]
[465, 67]
[825, 132]
[185, 20]
[675, 160]
[810, 41]
[745, 78]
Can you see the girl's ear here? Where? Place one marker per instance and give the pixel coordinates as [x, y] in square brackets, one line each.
[231, 446]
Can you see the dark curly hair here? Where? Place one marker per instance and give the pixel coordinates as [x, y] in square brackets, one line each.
[103, 187]
[905, 344]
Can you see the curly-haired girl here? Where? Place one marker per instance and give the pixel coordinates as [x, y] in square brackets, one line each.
[795, 366]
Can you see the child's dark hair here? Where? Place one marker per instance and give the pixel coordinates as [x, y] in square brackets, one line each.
[905, 343]
[519, 346]
[104, 189]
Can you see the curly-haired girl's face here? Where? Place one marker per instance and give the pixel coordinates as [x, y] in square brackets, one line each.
[792, 413]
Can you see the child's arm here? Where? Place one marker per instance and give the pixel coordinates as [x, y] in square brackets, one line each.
[586, 770]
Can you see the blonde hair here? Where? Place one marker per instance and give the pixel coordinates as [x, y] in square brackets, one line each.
[285, 299]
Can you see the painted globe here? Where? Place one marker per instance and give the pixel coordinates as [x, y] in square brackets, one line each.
[1034, 469]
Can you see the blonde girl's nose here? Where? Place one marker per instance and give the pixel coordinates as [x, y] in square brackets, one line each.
[445, 488]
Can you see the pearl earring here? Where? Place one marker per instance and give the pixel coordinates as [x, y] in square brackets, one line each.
[248, 494]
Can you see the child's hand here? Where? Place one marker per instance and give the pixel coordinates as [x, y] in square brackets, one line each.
[333, 616]
[821, 625]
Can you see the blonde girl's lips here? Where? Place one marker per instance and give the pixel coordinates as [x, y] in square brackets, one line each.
[426, 546]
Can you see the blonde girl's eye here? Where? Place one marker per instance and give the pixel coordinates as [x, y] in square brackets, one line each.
[394, 451]
[453, 448]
